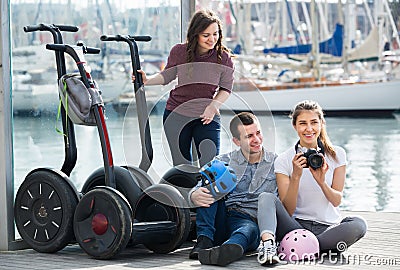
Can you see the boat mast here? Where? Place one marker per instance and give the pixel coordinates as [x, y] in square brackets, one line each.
[292, 24]
[35, 21]
[345, 47]
[306, 16]
[300, 26]
[243, 26]
[368, 12]
[110, 10]
[322, 22]
[314, 57]
[395, 32]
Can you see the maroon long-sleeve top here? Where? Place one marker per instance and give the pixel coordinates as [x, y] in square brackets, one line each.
[198, 81]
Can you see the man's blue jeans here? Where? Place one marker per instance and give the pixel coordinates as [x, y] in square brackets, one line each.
[225, 226]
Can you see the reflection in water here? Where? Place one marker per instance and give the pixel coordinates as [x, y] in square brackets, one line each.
[381, 173]
[372, 146]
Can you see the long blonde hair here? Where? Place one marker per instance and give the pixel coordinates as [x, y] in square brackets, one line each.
[309, 105]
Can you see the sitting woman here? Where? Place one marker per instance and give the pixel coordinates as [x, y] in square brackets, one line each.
[310, 178]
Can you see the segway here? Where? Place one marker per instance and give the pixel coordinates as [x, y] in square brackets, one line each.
[160, 217]
[46, 200]
[103, 220]
[104, 208]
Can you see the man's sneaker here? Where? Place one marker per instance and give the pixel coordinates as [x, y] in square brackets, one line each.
[203, 242]
[267, 253]
[222, 255]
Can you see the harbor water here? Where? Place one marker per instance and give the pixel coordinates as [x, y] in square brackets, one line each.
[372, 146]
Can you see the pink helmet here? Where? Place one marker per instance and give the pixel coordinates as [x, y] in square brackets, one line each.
[299, 244]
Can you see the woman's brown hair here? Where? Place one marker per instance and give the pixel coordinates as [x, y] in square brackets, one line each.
[199, 22]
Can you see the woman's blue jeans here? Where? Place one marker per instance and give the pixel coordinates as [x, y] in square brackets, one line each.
[225, 226]
[181, 130]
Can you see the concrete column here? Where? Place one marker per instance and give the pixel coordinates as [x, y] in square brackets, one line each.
[6, 157]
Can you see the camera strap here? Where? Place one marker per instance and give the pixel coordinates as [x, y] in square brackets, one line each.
[320, 147]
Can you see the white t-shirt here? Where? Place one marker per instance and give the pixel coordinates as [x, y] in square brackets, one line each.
[311, 201]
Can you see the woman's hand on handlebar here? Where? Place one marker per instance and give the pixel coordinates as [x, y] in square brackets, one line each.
[144, 77]
[155, 79]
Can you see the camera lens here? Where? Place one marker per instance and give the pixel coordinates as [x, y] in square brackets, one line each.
[315, 161]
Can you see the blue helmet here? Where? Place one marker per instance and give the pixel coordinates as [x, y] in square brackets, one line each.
[218, 177]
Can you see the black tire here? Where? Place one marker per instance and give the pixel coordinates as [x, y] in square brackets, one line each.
[126, 183]
[192, 231]
[103, 222]
[44, 209]
[143, 179]
[163, 202]
[184, 177]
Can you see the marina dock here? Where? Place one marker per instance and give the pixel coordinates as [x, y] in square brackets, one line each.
[378, 249]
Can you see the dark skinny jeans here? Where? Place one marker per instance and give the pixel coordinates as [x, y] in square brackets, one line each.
[181, 130]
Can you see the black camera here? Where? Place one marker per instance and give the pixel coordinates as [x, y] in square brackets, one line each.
[314, 158]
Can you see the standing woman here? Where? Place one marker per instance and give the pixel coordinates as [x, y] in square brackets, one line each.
[204, 69]
[312, 196]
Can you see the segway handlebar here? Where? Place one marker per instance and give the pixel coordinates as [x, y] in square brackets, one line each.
[141, 103]
[90, 50]
[48, 27]
[68, 129]
[68, 48]
[123, 38]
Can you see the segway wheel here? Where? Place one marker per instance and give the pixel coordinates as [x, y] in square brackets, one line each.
[103, 222]
[126, 183]
[44, 209]
[142, 179]
[184, 177]
[163, 202]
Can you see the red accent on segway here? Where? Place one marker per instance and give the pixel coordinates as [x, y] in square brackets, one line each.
[88, 75]
[99, 224]
[107, 139]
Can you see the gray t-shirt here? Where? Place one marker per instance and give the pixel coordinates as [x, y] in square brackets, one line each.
[253, 179]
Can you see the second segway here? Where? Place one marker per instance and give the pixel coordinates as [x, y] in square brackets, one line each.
[102, 220]
[160, 219]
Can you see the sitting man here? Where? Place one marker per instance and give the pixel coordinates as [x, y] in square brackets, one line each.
[227, 228]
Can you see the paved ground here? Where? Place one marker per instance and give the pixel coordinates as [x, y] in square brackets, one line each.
[378, 249]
